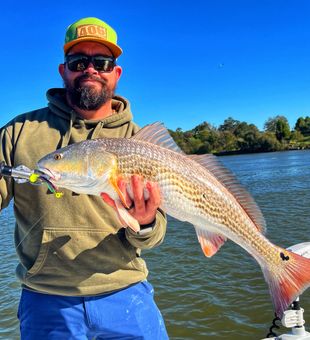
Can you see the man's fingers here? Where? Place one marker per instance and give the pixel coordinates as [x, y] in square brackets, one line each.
[138, 196]
[154, 193]
[143, 209]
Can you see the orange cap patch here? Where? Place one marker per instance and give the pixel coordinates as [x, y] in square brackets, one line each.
[91, 31]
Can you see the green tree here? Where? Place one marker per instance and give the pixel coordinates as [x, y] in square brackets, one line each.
[250, 140]
[194, 145]
[279, 126]
[205, 126]
[282, 130]
[227, 141]
[296, 135]
[179, 138]
[229, 124]
[303, 125]
[269, 142]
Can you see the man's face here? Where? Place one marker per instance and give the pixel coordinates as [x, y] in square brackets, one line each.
[89, 89]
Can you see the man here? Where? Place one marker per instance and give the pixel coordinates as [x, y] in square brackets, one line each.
[81, 271]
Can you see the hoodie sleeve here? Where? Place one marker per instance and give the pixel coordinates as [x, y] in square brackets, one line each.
[151, 239]
[6, 184]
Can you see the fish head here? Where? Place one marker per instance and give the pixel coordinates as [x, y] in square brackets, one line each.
[79, 167]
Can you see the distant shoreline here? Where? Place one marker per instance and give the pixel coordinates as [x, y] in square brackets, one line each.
[234, 137]
[244, 152]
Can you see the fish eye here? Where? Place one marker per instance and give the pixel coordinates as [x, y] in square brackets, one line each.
[58, 156]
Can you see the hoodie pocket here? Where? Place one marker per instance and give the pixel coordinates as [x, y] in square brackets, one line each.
[73, 257]
[43, 252]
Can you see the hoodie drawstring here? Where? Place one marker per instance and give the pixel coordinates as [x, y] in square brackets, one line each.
[66, 138]
[96, 131]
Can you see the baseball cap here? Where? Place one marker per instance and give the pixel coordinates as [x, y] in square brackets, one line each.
[92, 29]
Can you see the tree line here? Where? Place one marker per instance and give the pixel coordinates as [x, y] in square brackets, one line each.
[234, 136]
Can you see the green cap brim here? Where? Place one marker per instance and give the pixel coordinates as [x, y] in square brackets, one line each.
[116, 50]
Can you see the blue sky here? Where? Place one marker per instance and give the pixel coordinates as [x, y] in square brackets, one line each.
[184, 62]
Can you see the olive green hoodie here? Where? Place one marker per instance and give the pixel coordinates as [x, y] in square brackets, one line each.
[74, 245]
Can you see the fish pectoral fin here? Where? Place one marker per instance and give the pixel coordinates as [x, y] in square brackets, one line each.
[114, 183]
[125, 217]
[210, 242]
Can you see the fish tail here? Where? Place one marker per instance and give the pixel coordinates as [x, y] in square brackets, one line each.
[287, 280]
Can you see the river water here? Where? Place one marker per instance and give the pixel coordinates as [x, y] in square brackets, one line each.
[223, 297]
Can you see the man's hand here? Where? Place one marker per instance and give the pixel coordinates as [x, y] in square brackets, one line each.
[143, 210]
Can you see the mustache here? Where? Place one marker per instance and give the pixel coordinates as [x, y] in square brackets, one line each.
[78, 80]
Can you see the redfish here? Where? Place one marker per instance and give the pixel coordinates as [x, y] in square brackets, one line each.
[196, 189]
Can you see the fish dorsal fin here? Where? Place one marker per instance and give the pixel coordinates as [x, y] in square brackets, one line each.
[157, 133]
[229, 180]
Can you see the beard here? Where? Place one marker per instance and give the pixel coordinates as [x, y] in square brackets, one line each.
[88, 97]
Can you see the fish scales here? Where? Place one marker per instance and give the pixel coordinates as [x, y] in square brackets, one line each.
[174, 172]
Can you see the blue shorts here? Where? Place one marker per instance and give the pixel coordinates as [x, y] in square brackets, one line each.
[130, 313]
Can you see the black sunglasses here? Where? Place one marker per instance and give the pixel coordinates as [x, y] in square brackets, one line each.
[80, 62]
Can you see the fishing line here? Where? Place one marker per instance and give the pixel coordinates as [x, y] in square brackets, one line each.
[274, 326]
[31, 229]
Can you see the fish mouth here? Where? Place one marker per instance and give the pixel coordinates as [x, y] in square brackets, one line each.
[49, 177]
[48, 174]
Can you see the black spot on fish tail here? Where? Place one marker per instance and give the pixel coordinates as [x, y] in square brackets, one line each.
[283, 257]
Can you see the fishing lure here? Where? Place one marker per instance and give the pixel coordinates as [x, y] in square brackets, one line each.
[22, 174]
